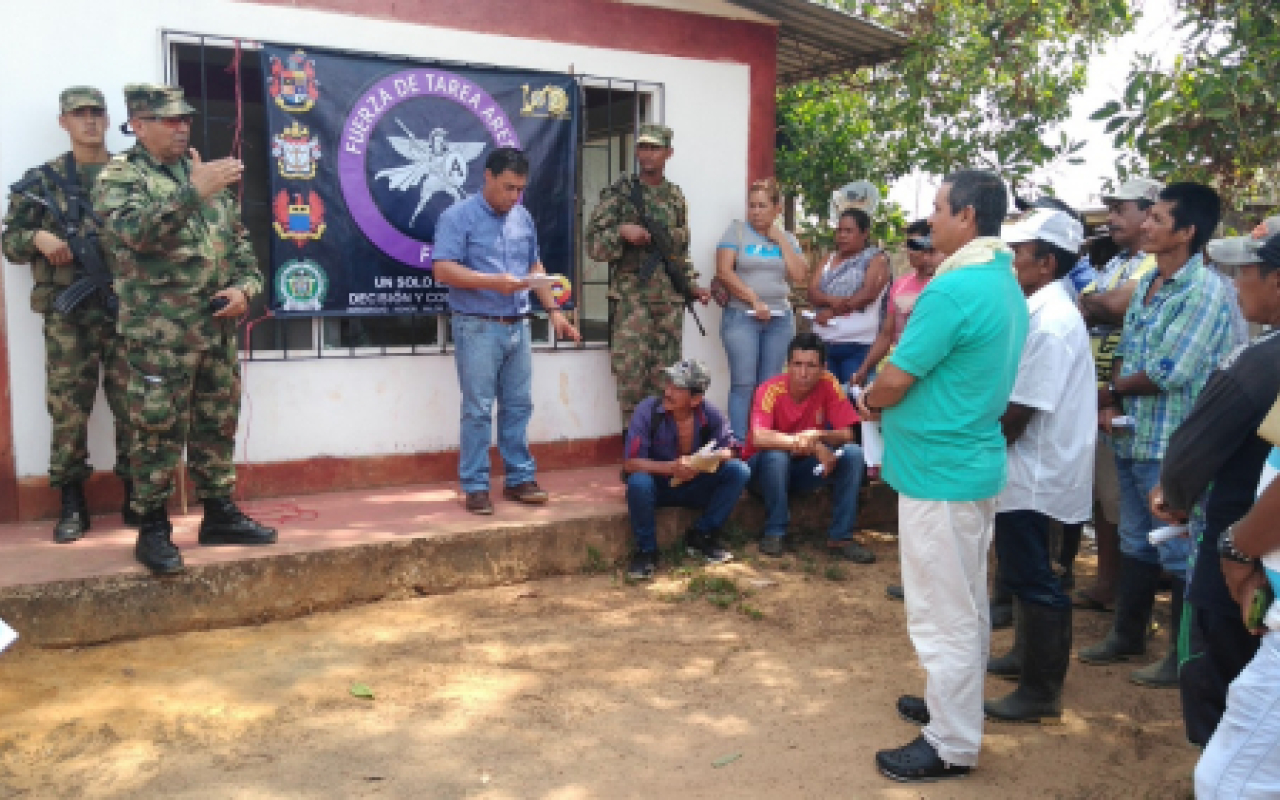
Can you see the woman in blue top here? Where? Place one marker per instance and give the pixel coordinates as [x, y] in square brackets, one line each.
[756, 260]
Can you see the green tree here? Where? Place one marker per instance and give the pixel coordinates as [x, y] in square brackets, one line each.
[980, 84]
[1212, 115]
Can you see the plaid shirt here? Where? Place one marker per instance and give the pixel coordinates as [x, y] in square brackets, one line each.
[1177, 339]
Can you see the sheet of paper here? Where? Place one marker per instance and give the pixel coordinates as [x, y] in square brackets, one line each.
[808, 314]
[540, 281]
[7, 635]
[1166, 533]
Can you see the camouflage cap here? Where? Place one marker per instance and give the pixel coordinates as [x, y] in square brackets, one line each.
[150, 100]
[654, 134]
[74, 97]
[1143, 189]
[689, 374]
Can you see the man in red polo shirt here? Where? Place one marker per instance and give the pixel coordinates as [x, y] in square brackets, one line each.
[802, 438]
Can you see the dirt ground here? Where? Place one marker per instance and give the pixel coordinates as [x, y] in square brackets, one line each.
[574, 687]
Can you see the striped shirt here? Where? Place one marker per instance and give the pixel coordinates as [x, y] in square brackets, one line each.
[1177, 338]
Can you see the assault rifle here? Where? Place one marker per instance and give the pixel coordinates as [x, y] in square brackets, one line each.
[663, 251]
[92, 275]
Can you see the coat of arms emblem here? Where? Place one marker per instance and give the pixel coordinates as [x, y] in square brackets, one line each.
[299, 220]
[296, 152]
[293, 83]
[435, 165]
[301, 285]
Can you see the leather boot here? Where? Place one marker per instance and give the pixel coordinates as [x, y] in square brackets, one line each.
[1044, 667]
[1134, 598]
[224, 523]
[155, 549]
[1164, 673]
[130, 517]
[73, 520]
[1009, 666]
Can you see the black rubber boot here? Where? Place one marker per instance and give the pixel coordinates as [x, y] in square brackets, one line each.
[1164, 673]
[224, 523]
[73, 520]
[1134, 598]
[155, 549]
[130, 517]
[1044, 668]
[1009, 665]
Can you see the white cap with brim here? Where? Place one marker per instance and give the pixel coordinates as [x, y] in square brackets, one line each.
[1234, 251]
[1047, 225]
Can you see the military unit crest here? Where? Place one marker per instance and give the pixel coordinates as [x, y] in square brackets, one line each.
[294, 87]
[299, 220]
[549, 101]
[301, 285]
[296, 152]
[293, 83]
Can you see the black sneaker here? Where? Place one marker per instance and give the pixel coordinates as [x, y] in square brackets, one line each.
[706, 545]
[913, 709]
[851, 550]
[917, 762]
[771, 546]
[643, 566]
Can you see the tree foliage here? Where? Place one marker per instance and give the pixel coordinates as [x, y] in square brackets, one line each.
[980, 84]
[1213, 114]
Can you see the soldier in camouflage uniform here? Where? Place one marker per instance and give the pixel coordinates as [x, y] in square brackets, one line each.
[81, 344]
[173, 237]
[646, 315]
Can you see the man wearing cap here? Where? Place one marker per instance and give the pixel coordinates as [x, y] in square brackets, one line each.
[79, 343]
[646, 314]
[679, 452]
[1209, 477]
[1050, 425]
[173, 236]
[1178, 328]
[1103, 303]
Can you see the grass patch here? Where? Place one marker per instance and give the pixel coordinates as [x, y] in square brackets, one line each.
[835, 572]
[595, 562]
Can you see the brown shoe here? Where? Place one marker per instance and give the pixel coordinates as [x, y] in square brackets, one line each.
[479, 503]
[527, 492]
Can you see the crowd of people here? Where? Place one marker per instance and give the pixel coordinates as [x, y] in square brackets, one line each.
[1018, 390]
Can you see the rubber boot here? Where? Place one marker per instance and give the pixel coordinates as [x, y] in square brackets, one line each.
[1067, 552]
[155, 549]
[1009, 665]
[130, 517]
[73, 519]
[1044, 667]
[1001, 608]
[1135, 596]
[225, 523]
[1164, 673]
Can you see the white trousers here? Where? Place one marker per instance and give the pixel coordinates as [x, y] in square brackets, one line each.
[944, 546]
[1242, 759]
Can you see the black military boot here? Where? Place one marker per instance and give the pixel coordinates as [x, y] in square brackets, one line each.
[224, 523]
[1009, 666]
[1046, 655]
[155, 550]
[1135, 596]
[1164, 673]
[73, 521]
[131, 518]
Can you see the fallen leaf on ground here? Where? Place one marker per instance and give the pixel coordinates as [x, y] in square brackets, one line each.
[726, 760]
[361, 690]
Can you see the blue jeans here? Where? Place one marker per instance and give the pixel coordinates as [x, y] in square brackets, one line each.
[494, 363]
[775, 475]
[1026, 563]
[1137, 478]
[714, 492]
[757, 351]
[844, 358]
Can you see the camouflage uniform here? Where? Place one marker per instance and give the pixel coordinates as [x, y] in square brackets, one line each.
[646, 317]
[171, 252]
[79, 346]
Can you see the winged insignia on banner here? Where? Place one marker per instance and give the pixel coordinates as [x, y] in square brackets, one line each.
[435, 165]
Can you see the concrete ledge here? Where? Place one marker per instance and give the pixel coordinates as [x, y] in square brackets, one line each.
[372, 546]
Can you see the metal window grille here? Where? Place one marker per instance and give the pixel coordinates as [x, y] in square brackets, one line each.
[613, 109]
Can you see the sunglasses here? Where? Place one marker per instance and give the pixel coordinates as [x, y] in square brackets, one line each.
[170, 122]
[90, 112]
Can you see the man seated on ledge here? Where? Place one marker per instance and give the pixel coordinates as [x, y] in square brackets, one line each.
[801, 438]
[662, 469]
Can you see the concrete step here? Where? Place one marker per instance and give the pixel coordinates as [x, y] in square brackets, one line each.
[336, 550]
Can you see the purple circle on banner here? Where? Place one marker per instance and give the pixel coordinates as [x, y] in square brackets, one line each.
[380, 98]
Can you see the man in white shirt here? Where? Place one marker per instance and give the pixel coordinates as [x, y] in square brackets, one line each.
[1051, 426]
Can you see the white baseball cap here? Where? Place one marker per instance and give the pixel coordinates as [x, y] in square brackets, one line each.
[1047, 225]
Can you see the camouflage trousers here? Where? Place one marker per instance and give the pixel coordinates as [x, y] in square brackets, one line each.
[178, 397]
[81, 349]
[644, 338]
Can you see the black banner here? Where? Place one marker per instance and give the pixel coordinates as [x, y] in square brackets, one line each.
[366, 154]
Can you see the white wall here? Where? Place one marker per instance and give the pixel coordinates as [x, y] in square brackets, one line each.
[346, 407]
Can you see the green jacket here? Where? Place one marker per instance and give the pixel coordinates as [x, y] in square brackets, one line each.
[170, 252]
[664, 204]
[25, 218]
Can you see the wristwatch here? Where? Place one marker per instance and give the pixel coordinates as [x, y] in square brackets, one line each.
[1227, 548]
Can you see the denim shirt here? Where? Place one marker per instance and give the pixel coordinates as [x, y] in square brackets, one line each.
[663, 443]
[472, 234]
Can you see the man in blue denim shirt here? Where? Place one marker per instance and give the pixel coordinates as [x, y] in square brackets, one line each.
[662, 469]
[486, 247]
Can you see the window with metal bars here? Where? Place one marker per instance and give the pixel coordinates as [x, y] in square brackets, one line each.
[222, 78]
